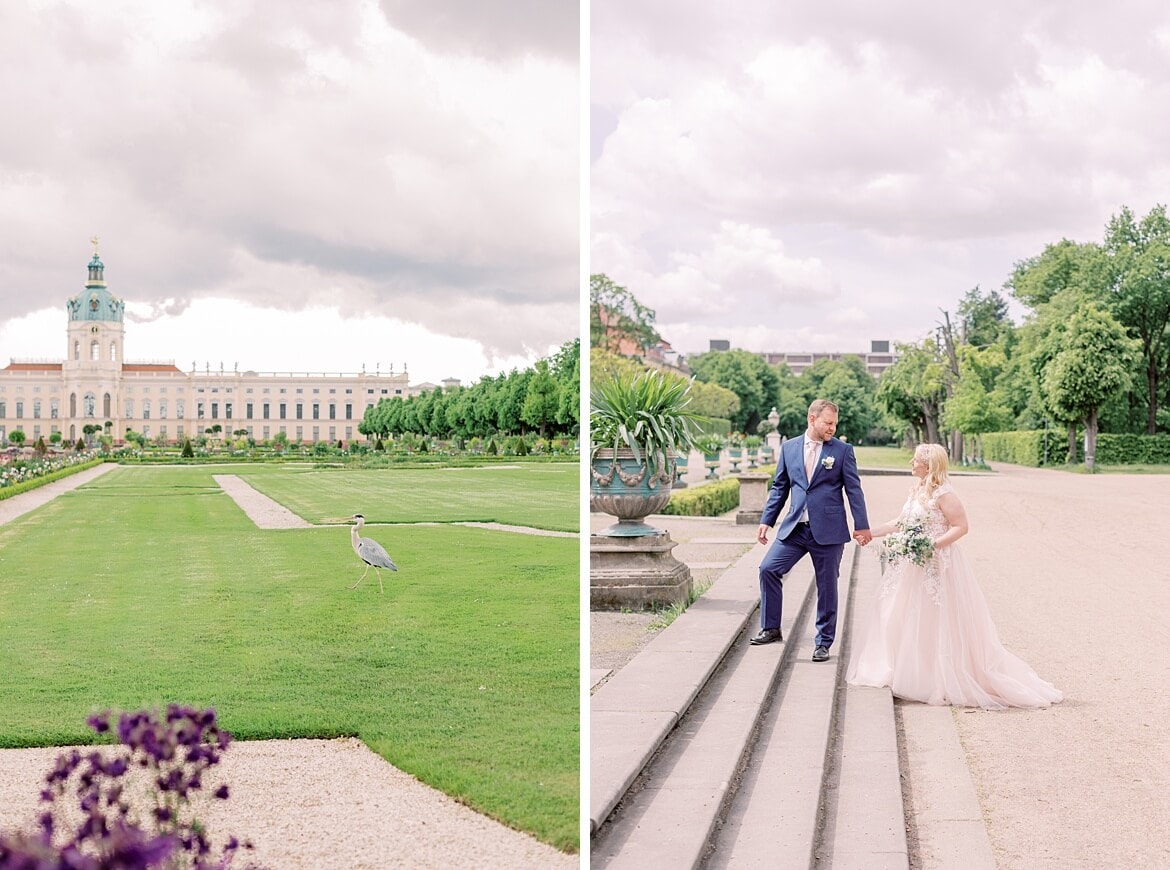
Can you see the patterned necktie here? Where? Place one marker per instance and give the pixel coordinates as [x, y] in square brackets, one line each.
[810, 455]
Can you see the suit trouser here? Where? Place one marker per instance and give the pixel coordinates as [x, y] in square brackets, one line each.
[780, 559]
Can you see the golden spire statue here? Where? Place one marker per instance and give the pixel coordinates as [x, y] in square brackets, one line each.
[94, 241]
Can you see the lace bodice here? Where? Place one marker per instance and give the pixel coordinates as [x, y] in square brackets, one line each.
[920, 508]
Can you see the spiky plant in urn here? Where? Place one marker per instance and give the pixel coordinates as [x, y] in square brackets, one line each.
[637, 424]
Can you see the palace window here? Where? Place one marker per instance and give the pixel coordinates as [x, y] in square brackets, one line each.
[54, 409]
[248, 410]
[199, 410]
[215, 410]
[20, 410]
[316, 411]
[94, 351]
[332, 411]
[162, 412]
[107, 403]
[113, 351]
[227, 410]
[90, 402]
[300, 410]
[348, 411]
[3, 410]
[129, 408]
[264, 413]
[180, 406]
[145, 411]
[283, 412]
[37, 409]
[77, 350]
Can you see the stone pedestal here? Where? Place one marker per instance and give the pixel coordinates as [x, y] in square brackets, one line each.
[753, 495]
[636, 573]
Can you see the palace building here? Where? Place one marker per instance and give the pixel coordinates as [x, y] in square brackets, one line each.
[96, 385]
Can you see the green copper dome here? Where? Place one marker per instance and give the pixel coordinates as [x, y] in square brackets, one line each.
[96, 303]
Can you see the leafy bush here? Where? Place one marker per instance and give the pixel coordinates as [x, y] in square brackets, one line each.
[1027, 448]
[706, 500]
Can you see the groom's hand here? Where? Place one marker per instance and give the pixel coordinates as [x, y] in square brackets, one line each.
[762, 534]
[862, 536]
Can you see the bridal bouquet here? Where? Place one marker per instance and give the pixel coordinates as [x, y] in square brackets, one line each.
[910, 542]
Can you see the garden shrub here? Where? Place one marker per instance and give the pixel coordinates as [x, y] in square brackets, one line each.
[705, 500]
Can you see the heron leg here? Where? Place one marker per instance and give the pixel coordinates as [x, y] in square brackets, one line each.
[360, 579]
[379, 573]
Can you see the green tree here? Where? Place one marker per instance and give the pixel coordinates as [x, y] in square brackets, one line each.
[617, 317]
[983, 318]
[541, 399]
[973, 408]
[848, 385]
[1067, 265]
[16, 436]
[566, 369]
[1139, 293]
[748, 376]
[1092, 366]
[913, 389]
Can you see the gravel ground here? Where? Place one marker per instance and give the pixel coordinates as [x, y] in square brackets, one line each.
[1076, 574]
[309, 803]
[1076, 571]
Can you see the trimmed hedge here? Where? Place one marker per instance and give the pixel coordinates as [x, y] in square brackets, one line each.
[1027, 448]
[705, 500]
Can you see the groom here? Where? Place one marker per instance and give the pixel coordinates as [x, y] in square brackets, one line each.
[815, 470]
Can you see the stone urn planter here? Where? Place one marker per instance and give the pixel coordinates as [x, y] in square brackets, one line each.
[625, 487]
[638, 424]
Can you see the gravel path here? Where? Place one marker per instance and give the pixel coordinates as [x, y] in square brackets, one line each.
[308, 803]
[265, 512]
[1076, 573]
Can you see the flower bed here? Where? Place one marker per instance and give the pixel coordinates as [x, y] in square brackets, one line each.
[23, 475]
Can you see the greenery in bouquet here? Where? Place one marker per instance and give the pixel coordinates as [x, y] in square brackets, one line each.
[910, 541]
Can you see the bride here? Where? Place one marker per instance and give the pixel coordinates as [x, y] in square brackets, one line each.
[931, 637]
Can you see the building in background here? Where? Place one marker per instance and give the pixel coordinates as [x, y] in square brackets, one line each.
[879, 358]
[96, 385]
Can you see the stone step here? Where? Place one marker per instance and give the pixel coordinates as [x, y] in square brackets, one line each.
[772, 761]
[667, 820]
[634, 711]
[776, 810]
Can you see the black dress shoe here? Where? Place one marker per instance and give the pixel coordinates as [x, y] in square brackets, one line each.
[767, 635]
[821, 654]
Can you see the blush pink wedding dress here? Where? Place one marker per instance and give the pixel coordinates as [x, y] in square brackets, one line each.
[930, 637]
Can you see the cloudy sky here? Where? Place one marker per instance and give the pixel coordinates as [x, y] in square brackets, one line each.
[295, 186]
[814, 176]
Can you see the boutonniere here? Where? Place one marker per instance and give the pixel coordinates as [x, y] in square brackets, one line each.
[827, 462]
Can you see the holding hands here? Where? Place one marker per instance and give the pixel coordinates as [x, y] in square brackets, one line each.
[862, 536]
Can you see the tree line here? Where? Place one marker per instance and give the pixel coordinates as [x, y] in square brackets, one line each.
[543, 399]
[1091, 355]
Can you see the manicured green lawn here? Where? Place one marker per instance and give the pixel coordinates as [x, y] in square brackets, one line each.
[541, 495]
[896, 457]
[149, 585]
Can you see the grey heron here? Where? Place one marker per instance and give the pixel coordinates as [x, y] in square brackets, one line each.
[370, 552]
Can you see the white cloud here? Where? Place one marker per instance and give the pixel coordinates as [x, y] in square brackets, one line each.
[294, 157]
[882, 161]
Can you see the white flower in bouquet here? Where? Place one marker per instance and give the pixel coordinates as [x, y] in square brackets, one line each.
[911, 542]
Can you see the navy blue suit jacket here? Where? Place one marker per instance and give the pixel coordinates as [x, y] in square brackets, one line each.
[834, 477]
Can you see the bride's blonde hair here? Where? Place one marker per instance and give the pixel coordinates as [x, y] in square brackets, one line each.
[935, 457]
